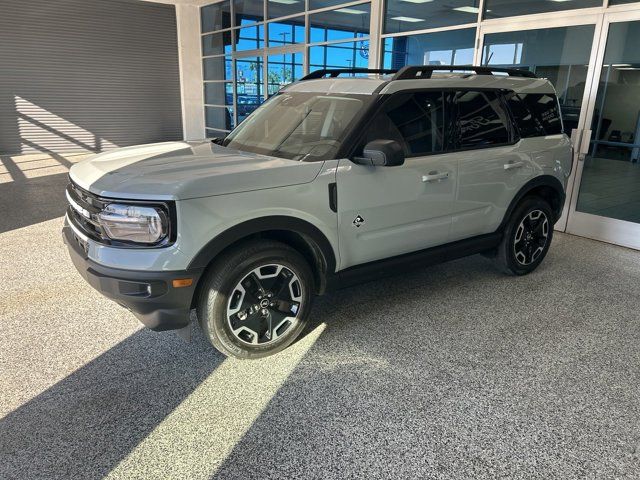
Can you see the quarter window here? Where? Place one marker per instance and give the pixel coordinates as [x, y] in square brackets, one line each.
[545, 108]
[481, 120]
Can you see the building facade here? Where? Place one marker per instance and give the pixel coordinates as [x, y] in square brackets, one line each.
[589, 49]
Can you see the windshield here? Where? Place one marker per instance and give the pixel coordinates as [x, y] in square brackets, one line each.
[300, 125]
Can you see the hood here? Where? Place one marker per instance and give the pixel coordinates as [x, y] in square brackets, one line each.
[182, 170]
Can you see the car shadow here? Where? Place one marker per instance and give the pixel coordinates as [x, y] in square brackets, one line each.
[84, 425]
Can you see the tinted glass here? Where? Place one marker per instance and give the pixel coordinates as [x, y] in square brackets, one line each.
[509, 8]
[415, 121]
[314, 4]
[216, 16]
[219, 117]
[347, 22]
[216, 43]
[443, 48]
[407, 15]
[558, 54]
[280, 8]
[545, 110]
[528, 124]
[246, 12]
[217, 68]
[481, 120]
[300, 126]
[218, 93]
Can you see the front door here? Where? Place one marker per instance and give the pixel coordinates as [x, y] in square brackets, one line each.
[389, 211]
[606, 196]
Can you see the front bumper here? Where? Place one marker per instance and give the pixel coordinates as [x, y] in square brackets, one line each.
[149, 295]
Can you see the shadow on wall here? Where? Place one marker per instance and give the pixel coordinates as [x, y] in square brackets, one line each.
[83, 426]
[98, 74]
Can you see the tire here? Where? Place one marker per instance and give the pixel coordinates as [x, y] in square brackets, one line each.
[527, 237]
[265, 274]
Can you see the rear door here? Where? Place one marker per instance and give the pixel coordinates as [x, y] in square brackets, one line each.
[491, 166]
[388, 211]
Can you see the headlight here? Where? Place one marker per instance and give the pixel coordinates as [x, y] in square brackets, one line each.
[134, 223]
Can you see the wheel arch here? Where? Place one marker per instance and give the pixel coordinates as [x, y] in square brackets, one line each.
[299, 234]
[545, 186]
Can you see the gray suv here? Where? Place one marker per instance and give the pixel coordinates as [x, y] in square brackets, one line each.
[332, 181]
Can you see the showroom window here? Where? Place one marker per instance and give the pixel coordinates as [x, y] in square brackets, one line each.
[409, 15]
[247, 59]
[511, 8]
[454, 47]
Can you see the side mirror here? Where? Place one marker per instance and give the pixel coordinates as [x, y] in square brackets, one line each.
[381, 153]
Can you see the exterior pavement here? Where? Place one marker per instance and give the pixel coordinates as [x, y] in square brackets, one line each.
[450, 372]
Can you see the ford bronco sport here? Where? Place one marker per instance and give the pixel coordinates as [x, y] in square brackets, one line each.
[331, 181]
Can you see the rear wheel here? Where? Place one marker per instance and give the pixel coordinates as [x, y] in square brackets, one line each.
[255, 300]
[527, 237]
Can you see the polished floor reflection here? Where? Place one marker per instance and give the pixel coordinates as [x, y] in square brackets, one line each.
[454, 371]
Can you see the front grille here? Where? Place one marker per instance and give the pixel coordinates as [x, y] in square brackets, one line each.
[83, 210]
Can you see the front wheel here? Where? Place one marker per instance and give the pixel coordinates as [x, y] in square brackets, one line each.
[255, 300]
[527, 237]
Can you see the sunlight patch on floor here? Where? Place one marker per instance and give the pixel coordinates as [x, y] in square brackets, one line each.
[194, 440]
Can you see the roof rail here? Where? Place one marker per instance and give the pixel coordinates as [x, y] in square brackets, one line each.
[424, 71]
[334, 72]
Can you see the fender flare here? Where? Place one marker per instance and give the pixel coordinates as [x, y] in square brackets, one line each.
[309, 232]
[541, 181]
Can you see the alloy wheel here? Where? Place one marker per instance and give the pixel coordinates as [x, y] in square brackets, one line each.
[531, 237]
[265, 304]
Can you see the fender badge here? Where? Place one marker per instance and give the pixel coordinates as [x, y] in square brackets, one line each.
[358, 221]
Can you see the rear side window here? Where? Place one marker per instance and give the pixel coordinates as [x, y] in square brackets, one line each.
[481, 120]
[414, 120]
[536, 114]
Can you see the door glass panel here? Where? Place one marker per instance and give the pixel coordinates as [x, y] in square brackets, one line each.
[283, 69]
[454, 47]
[610, 185]
[559, 54]
[481, 121]
[249, 85]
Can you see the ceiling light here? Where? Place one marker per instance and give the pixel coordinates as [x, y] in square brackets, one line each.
[417, 1]
[467, 9]
[352, 11]
[408, 19]
[285, 2]
[560, 1]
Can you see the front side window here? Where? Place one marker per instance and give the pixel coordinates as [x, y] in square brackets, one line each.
[300, 126]
[481, 121]
[415, 120]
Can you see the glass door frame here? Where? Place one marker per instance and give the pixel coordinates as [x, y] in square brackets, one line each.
[607, 229]
[546, 21]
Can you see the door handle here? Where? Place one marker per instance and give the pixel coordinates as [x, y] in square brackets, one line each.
[435, 176]
[512, 165]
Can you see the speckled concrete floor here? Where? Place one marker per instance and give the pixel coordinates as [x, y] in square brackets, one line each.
[451, 372]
